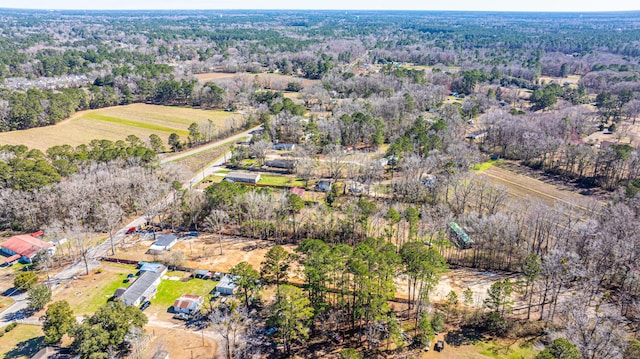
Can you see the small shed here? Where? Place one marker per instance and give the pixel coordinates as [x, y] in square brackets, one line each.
[164, 242]
[227, 284]
[243, 177]
[187, 304]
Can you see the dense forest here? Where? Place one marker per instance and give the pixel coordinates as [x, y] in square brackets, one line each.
[399, 111]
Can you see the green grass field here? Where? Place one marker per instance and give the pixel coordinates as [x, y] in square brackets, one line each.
[281, 181]
[501, 350]
[485, 165]
[170, 290]
[115, 123]
[87, 294]
[22, 342]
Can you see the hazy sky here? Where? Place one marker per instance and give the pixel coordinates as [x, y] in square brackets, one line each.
[491, 5]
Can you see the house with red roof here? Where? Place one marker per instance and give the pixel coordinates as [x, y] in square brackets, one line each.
[24, 248]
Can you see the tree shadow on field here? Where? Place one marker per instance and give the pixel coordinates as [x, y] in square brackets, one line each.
[464, 336]
[25, 348]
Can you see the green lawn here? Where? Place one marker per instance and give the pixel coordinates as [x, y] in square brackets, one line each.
[22, 342]
[138, 124]
[170, 290]
[485, 165]
[505, 351]
[281, 181]
[90, 299]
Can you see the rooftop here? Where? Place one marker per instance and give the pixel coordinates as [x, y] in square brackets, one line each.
[188, 301]
[165, 239]
[137, 289]
[228, 281]
[25, 245]
[151, 267]
[242, 175]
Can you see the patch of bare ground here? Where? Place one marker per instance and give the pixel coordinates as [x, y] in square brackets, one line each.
[523, 181]
[180, 342]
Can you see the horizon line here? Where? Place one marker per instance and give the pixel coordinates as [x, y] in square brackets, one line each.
[323, 9]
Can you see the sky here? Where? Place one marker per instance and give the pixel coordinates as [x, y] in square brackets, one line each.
[482, 5]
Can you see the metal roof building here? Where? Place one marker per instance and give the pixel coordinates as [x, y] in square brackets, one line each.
[144, 288]
[243, 177]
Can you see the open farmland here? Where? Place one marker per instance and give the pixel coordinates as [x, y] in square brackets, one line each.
[114, 123]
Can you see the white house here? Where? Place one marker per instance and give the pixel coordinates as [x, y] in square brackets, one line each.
[164, 242]
[227, 284]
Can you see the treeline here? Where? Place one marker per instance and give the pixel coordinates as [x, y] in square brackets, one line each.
[27, 169]
[552, 143]
[151, 84]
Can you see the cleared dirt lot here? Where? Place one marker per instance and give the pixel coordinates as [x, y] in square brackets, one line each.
[204, 252]
[179, 342]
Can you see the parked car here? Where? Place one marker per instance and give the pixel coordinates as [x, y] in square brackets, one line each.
[181, 316]
[129, 278]
[145, 305]
[131, 230]
[270, 331]
[439, 346]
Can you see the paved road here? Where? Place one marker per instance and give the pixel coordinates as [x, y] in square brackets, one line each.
[209, 146]
[17, 311]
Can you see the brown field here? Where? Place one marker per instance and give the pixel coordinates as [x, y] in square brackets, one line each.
[521, 186]
[572, 80]
[265, 80]
[114, 123]
[179, 342]
[204, 252]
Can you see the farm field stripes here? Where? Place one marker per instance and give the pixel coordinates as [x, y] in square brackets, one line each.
[139, 124]
[115, 123]
[521, 186]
